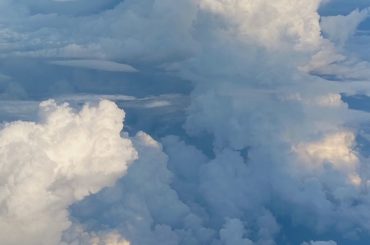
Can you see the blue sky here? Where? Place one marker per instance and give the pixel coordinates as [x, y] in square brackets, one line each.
[188, 122]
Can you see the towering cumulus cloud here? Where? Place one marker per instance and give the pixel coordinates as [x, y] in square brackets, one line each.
[254, 93]
[47, 166]
[269, 153]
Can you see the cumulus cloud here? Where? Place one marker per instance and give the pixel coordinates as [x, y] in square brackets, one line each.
[243, 104]
[125, 30]
[268, 144]
[76, 235]
[340, 28]
[49, 165]
[336, 149]
[298, 22]
[338, 61]
[233, 234]
[260, 139]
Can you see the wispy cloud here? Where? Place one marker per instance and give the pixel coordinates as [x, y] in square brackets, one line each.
[103, 65]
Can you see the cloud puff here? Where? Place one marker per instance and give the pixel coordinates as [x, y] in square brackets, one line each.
[336, 149]
[340, 28]
[343, 57]
[49, 165]
[76, 235]
[297, 23]
[142, 205]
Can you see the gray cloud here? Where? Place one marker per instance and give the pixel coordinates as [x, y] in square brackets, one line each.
[103, 65]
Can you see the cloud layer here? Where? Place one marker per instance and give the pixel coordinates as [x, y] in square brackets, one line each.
[268, 149]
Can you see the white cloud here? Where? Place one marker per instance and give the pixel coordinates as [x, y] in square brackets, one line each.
[336, 149]
[77, 236]
[297, 23]
[47, 166]
[334, 59]
[253, 101]
[340, 28]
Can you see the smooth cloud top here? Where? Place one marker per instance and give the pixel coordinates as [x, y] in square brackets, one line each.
[96, 65]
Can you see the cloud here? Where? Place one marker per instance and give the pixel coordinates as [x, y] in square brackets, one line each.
[126, 30]
[320, 243]
[336, 149]
[51, 164]
[233, 234]
[242, 79]
[343, 57]
[159, 103]
[76, 235]
[81, 98]
[268, 146]
[340, 28]
[149, 208]
[103, 65]
[245, 66]
[257, 21]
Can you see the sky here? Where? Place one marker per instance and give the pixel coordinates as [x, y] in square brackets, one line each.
[188, 122]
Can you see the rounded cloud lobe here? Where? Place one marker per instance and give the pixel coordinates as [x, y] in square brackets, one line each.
[49, 165]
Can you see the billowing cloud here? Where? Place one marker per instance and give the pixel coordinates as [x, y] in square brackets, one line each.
[336, 149]
[340, 28]
[320, 243]
[268, 149]
[233, 234]
[49, 165]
